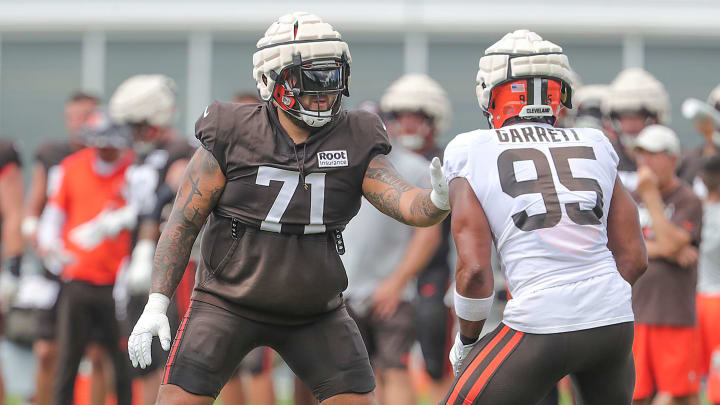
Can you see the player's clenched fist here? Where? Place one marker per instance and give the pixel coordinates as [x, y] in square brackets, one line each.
[152, 322]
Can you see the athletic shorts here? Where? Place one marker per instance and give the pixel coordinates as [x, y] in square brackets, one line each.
[708, 318]
[388, 341]
[509, 367]
[434, 321]
[328, 355]
[665, 361]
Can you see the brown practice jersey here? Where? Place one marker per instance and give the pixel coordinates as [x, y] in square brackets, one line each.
[269, 249]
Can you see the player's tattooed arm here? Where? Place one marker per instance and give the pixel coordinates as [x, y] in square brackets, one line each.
[390, 193]
[201, 187]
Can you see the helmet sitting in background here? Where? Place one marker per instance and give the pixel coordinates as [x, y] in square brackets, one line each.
[636, 100]
[588, 101]
[414, 96]
[523, 77]
[300, 55]
[145, 102]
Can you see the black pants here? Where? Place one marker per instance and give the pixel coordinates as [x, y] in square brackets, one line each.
[83, 307]
[508, 367]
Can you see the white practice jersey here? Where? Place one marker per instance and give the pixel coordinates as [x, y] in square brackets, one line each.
[546, 194]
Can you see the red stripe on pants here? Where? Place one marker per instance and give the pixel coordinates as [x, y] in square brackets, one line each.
[476, 363]
[176, 344]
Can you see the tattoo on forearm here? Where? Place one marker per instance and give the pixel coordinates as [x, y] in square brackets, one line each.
[175, 244]
[388, 200]
[423, 206]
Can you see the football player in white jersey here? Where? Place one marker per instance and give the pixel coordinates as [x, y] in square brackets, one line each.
[566, 231]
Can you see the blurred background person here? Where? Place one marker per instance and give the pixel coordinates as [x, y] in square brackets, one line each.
[706, 118]
[708, 286]
[417, 111]
[587, 103]
[383, 257]
[146, 103]
[11, 199]
[43, 181]
[636, 100]
[664, 298]
[88, 271]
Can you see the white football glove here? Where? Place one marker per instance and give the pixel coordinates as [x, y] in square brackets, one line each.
[56, 258]
[140, 269]
[459, 353]
[152, 322]
[440, 190]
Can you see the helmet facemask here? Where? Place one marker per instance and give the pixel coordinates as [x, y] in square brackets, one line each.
[311, 91]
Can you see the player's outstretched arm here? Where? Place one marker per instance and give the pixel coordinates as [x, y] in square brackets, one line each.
[474, 284]
[625, 239]
[390, 193]
[202, 185]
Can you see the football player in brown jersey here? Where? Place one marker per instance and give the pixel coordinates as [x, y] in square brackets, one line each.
[146, 102]
[275, 184]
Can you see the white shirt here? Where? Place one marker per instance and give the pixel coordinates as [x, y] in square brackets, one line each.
[548, 216]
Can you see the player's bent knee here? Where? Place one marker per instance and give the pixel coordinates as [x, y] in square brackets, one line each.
[173, 395]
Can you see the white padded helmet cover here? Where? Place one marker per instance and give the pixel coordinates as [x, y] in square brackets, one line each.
[591, 93]
[274, 58]
[144, 98]
[714, 97]
[635, 89]
[418, 92]
[531, 56]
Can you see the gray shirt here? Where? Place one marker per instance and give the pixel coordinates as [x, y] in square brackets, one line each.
[375, 242]
[709, 261]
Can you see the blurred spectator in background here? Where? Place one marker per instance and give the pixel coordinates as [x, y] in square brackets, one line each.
[587, 103]
[11, 199]
[708, 286]
[382, 258]
[664, 298]
[258, 364]
[43, 182]
[88, 270]
[706, 117]
[636, 100]
[147, 104]
[418, 111]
